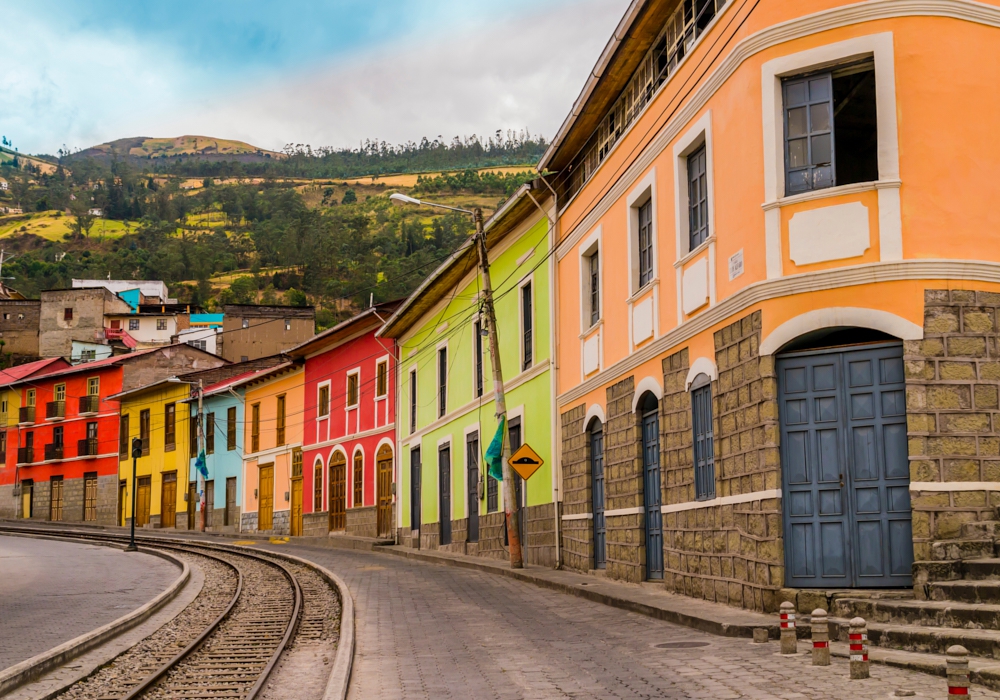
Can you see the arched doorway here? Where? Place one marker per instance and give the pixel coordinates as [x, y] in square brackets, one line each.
[338, 491]
[648, 415]
[844, 461]
[595, 436]
[383, 463]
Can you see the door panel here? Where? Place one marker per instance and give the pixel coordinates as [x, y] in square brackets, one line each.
[444, 493]
[384, 483]
[296, 524]
[230, 501]
[415, 490]
[651, 494]
[597, 476]
[209, 502]
[338, 491]
[168, 500]
[845, 470]
[265, 514]
[142, 505]
[472, 483]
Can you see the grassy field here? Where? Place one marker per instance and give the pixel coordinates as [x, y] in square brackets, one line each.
[55, 226]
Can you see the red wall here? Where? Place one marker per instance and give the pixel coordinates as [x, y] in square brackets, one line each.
[321, 436]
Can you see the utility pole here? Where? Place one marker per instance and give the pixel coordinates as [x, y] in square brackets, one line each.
[136, 454]
[510, 505]
[201, 451]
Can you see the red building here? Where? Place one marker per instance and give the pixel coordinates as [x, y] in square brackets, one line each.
[62, 450]
[349, 429]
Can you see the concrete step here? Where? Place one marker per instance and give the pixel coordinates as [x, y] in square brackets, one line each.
[981, 529]
[932, 640]
[921, 613]
[985, 569]
[965, 591]
[953, 550]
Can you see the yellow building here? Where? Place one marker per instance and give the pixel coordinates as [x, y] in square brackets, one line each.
[272, 461]
[156, 415]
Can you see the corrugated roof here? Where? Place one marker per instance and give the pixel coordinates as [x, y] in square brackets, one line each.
[331, 337]
[13, 374]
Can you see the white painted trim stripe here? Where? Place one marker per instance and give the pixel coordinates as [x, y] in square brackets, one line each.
[579, 516]
[624, 511]
[723, 501]
[955, 486]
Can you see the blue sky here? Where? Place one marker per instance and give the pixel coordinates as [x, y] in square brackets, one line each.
[77, 73]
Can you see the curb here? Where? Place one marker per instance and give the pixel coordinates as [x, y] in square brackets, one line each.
[702, 624]
[37, 666]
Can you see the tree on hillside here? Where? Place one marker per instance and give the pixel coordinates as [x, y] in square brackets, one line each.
[350, 197]
[83, 220]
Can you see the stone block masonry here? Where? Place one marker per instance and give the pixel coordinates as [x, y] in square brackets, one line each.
[953, 413]
[676, 438]
[625, 544]
[577, 489]
[361, 522]
[315, 524]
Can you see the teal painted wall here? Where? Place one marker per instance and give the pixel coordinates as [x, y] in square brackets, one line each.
[528, 391]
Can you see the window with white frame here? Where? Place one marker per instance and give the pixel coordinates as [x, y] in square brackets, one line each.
[594, 286]
[352, 389]
[382, 379]
[831, 127]
[477, 340]
[442, 381]
[527, 328]
[413, 401]
[644, 249]
[161, 324]
[697, 177]
[323, 401]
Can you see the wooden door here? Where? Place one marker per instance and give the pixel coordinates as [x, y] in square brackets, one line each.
[597, 480]
[168, 500]
[209, 501]
[444, 493]
[384, 482]
[651, 492]
[56, 498]
[296, 524]
[142, 502]
[472, 484]
[230, 501]
[192, 503]
[122, 498]
[90, 497]
[338, 491]
[27, 490]
[265, 505]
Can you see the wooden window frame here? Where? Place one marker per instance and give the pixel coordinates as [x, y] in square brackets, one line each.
[352, 389]
[441, 358]
[59, 392]
[231, 428]
[358, 476]
[381, 379]
[478, 369]
[93, 386]
[318, 486]
[123, 436]
[144, 430]
[323, 400]
[169, 427]
[413, 401]
[210, 433]
[279, 419]
[526, 306]
[644, 244]
[255, 427]
[811, 135]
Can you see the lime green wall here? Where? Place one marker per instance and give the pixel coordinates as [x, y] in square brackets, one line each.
[452, 323]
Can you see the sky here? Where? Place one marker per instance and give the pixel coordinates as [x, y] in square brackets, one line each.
[76, 73]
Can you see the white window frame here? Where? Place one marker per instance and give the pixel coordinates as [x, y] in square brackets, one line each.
[412, 404]
[481, 320]
[384, 360]
[324, 506]
[356, 372]
[438, 415]
[329, 400]
[594, 244]
[529, 280]
[644, 191]
[878, 47]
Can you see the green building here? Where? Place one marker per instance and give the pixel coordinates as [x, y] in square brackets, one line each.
[445, 409]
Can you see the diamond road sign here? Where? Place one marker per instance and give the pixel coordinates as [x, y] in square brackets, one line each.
[525, 461]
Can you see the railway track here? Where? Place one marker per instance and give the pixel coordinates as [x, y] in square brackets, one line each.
[253, 609]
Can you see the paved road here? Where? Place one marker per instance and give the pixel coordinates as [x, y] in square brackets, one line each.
[51, 592]
[430, 631]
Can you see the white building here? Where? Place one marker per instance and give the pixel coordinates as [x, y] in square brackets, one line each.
[149, 330]
[148, 288]
[201, 338]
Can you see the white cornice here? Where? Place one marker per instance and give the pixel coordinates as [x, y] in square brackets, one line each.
[857, 13]
[788, 286]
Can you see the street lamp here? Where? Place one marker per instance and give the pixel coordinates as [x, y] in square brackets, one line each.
[510, 504]
[136, 454]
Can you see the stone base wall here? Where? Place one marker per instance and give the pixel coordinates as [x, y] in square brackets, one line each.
[623, 487]
[540, 542]
[491, 537]
[362, 522]
[41, 494]
[8, 504]
[315, 524]
[577, 544]
[577, 490]
[429, 535]
[953, 413]
[460, 531]
[248, 522]
[154, 521]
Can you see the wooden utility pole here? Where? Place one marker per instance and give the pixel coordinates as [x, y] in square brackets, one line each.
[201, 451]
[510, 504]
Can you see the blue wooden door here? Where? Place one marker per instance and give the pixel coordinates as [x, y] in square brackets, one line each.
[651, 494]
[597, 476]
[845, 471]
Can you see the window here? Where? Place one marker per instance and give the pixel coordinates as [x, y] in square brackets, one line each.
[6, 317]
[442, 381]
[68, 314]
[359, 480]
[280, 420]
[20, 317]
[492, 494]
[318, 487]
[288, 325]
[594, 274]
[246, 323]
[704, 450]
[144, 431]
[59, 394]
[526, 328]
[697, 169]
[30, 397]
[133, 324]
[193, 433]
[200, 344]
[297, 463]
[324, 401]
[645, 249]
[255, 428]
[244, 358]
[381, 379]
[87, 355]
[210, 433]
[94, 386]
[3, 447]
[830, 129]
[413, 401]
[478, 330]
[161, 324]
[231, 428]
[169, 427]
[92, 430]
[352, 390]
[123, 434]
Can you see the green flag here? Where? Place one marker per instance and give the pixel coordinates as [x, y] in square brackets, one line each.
[494, 454]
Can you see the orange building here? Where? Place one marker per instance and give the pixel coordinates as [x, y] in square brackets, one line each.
[272, 452]
[777, 295]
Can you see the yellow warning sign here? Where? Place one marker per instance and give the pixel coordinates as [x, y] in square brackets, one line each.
[525, 461]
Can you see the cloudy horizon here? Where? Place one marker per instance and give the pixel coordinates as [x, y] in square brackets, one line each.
[330, 75]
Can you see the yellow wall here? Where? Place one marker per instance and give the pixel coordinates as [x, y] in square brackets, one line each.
[266, 394]
[159, 460]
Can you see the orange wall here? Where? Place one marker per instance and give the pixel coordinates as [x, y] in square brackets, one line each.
[266, 394]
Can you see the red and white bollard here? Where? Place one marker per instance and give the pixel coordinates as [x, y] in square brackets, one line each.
[788, 641]
[958, 671]
[820, 638]
[859, 648]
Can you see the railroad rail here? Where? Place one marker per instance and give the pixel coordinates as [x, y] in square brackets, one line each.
[255, 615]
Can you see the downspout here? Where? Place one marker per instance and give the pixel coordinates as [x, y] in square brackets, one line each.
[554, 431]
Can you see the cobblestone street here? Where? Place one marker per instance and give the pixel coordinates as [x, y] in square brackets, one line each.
[427, 631]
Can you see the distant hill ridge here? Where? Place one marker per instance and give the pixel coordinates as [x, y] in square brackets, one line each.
[142, 148]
